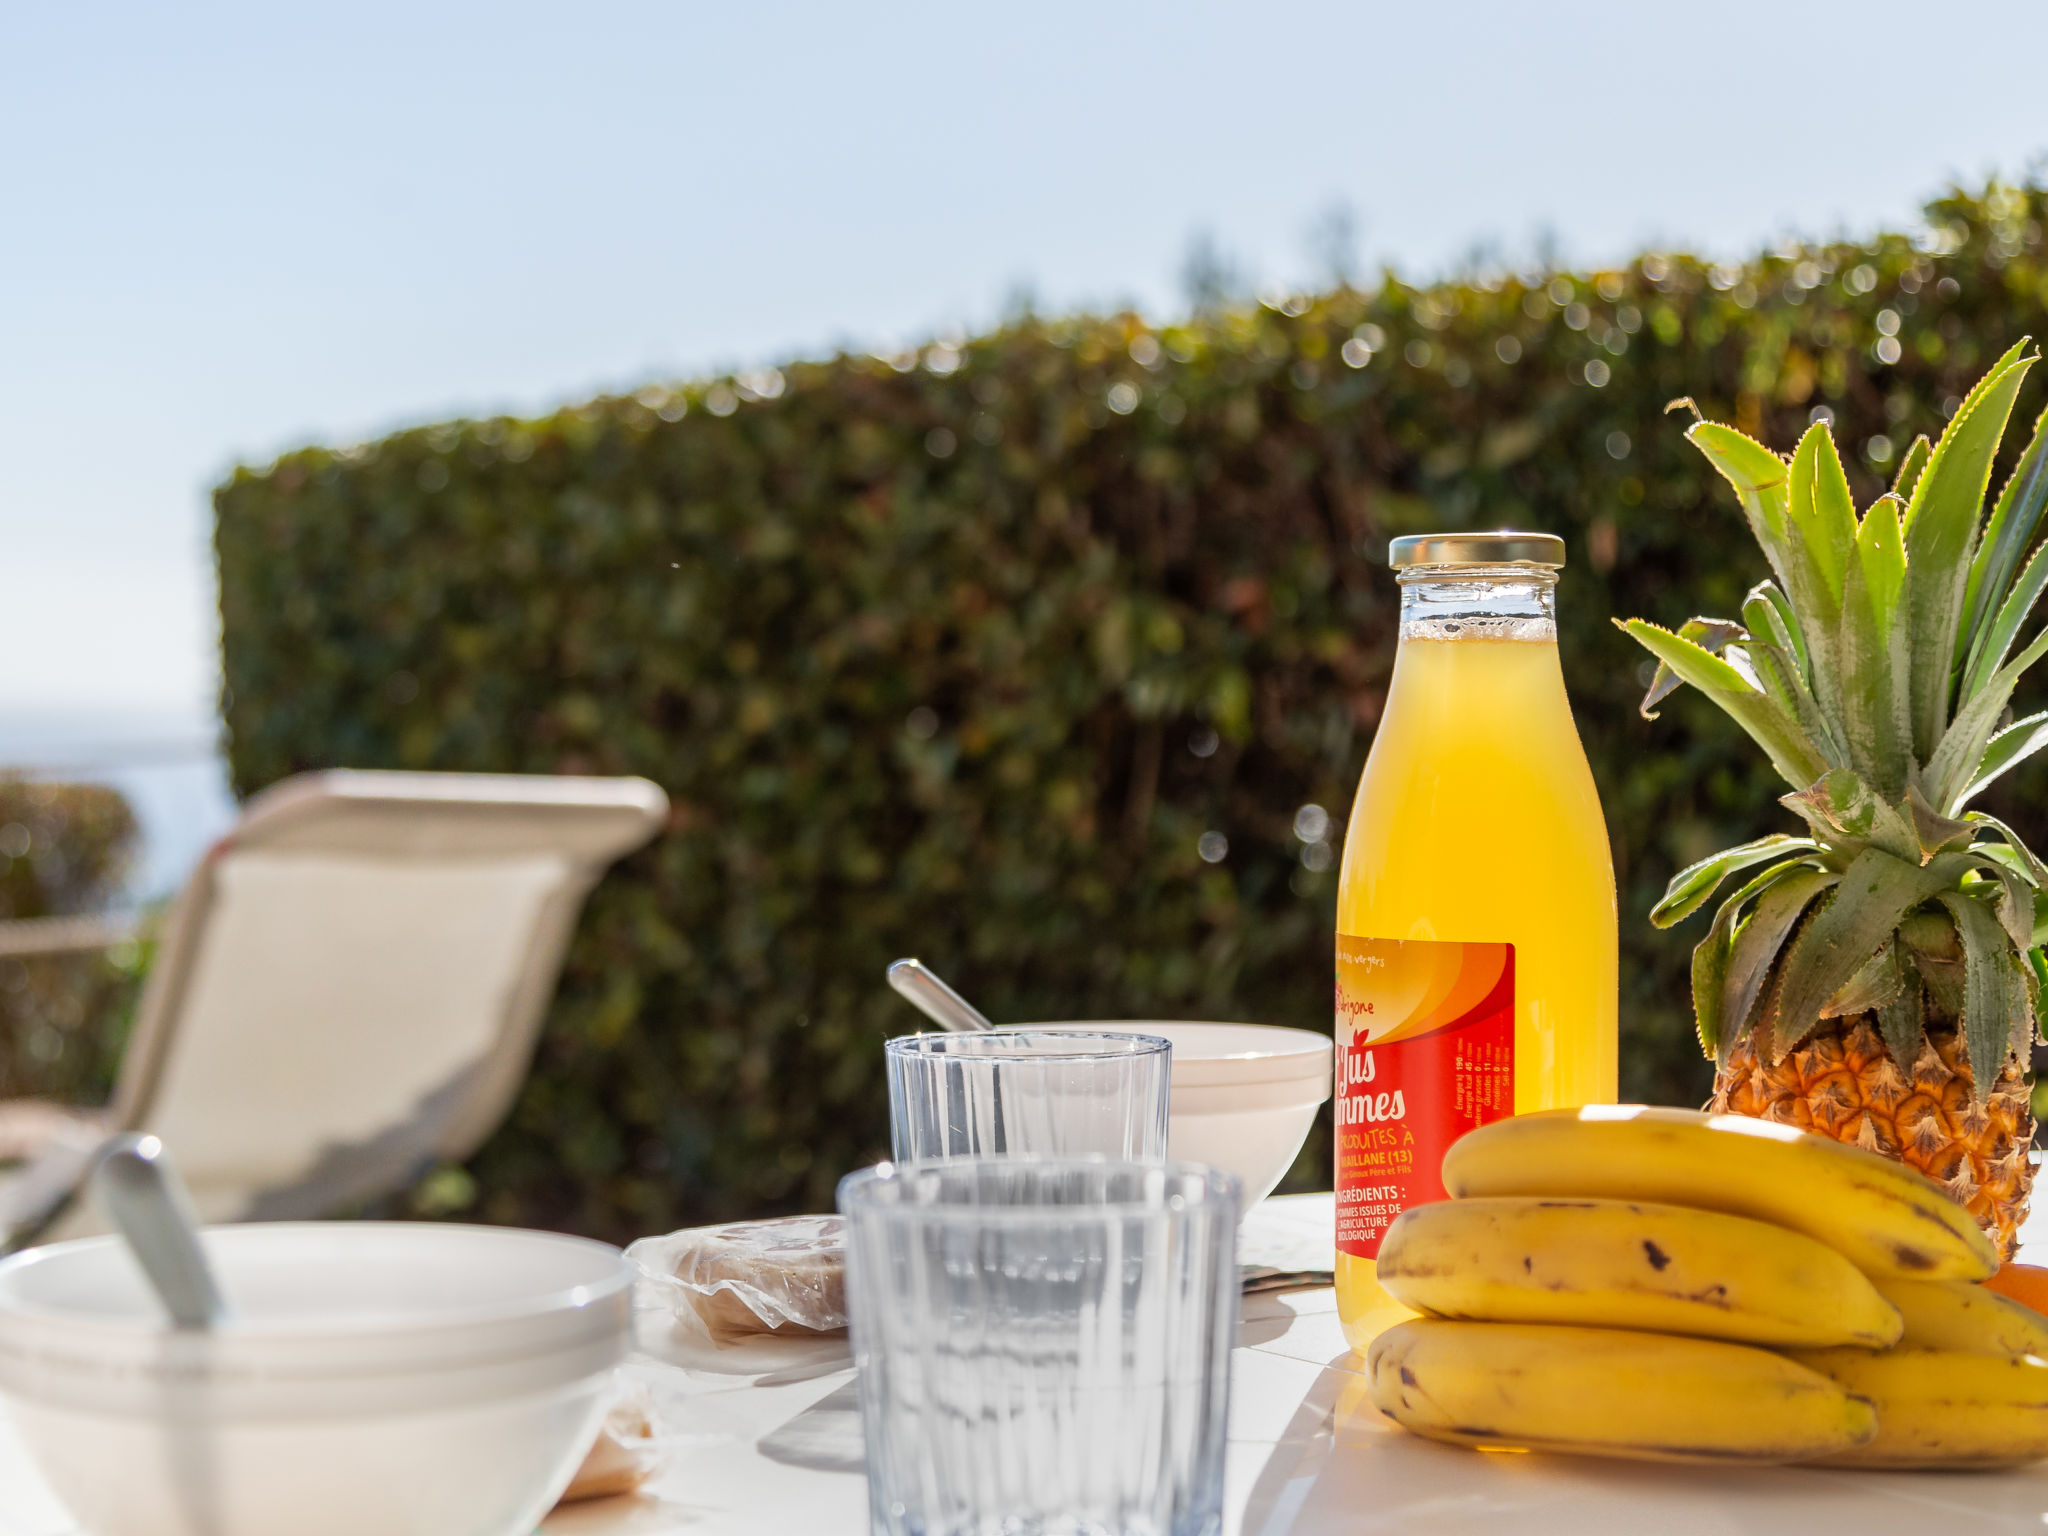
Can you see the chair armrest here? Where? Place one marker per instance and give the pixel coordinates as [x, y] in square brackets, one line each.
[31, 1127]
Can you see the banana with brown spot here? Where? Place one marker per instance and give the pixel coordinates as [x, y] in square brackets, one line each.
[1882, 1216]
[1630, 1264]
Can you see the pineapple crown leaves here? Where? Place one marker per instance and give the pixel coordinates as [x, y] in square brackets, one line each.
[1874, 668]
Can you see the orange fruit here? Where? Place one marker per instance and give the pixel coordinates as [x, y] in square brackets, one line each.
[2026, 1284]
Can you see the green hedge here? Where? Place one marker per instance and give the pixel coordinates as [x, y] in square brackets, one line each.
[960, 653]
[65, 849]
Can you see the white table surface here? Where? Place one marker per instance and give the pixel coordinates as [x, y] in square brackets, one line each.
[1308, 1455]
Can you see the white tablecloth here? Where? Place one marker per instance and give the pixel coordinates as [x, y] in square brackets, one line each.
[1308, 1456]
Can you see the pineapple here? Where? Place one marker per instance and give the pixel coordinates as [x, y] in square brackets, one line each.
[1878, 979]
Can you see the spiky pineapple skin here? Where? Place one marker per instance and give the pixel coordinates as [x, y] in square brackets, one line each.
[1843, 1083]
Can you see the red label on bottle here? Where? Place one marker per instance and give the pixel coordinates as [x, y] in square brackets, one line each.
[1425, 1053]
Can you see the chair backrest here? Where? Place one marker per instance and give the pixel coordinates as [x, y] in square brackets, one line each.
[349, 988]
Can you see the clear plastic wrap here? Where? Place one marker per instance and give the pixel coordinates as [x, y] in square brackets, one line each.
[745, 1282]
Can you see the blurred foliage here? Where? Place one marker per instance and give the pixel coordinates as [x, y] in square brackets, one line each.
[959, 653]
[65, 849]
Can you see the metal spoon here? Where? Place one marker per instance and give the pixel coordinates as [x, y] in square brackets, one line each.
[154, 1214]
[935, 1000]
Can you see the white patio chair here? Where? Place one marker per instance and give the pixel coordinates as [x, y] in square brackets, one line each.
[346, 992]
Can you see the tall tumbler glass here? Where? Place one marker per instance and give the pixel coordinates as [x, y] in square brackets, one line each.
[1044, 1346]
[1021, 1092]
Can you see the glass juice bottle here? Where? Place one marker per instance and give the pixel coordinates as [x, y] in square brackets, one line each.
[1475, 909]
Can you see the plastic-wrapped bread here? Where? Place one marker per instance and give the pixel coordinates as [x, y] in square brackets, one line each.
[782, 1278]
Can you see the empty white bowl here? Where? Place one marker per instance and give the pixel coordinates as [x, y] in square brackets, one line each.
[1243, 1095]
[376, 1377]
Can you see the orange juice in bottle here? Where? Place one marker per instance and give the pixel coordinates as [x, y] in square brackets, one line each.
[1475, 909]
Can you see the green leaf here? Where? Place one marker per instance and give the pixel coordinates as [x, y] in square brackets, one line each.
[2004, 627]
[1786, 632]
[1768, 722]
[1944, 982]
[1940, 534]
[1820, 512]
[2008, 359]
[1936, 950]
[1934, 832]
[2006, 537]
[1843, 810]
[1903, 1021]
[1709, 967]
[1931, 934]
[1790, 890]
[1876, 706]
[1962, 745]
[1692, 886]
[1991, 989]
[2022, 855]
[2009, 862]
[1778, 675]
[1875, 892]
[1709, 635]
[1882, 978]
[1766, 619]
[1778, 655]
[1762, 483]
[2024, 1029]
[2007, 750]
[2014, 907]
[1910, 467]
[1758, 475]
[1710, 962]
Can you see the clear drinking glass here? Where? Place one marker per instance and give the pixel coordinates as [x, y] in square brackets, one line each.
[1044, 1346]
[1041, 1093]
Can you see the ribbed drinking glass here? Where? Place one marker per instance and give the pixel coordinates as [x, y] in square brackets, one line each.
[1043, 1346]
[1042, 1093]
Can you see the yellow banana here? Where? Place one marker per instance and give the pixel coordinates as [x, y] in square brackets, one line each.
[1609, 1392]
[1941, 1407]
[1956, 1315]
[1620, 1264]
[1885, 1218]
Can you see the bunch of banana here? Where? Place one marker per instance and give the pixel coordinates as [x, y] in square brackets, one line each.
[1656, 1283]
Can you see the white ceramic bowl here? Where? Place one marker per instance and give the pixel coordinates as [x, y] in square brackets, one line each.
[376, 1377]
[1244, 1095]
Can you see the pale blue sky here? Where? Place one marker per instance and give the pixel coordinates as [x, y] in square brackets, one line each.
[229, 229]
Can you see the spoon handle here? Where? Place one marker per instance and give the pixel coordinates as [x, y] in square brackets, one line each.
[152, 1211]
[935, 1000]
